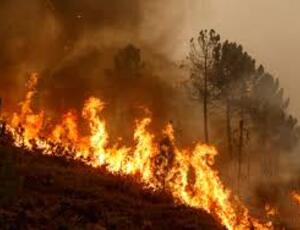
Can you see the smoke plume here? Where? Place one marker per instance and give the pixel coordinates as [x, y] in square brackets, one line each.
[72, 45]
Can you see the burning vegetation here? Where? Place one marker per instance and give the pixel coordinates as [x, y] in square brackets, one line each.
[188, 175]
[134, 114]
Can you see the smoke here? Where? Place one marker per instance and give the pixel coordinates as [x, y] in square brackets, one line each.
[27, 33]
[72, 44]
[39, 34]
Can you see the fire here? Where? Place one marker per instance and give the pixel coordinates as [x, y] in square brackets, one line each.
[271, 211]
[26, 121]
[296, 197]
[67, 131]
[99, 137]
[188, 175]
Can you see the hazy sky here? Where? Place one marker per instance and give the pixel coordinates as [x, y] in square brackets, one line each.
[268, 29]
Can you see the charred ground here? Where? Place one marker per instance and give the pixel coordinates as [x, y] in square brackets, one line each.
[43, 192]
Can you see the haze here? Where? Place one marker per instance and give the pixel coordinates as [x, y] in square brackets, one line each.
[268, 29]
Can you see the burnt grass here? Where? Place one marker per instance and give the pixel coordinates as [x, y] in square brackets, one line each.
[50, 192]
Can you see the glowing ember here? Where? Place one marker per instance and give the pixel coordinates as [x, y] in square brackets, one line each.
[271, 211]
[188, 175]
[296, 197]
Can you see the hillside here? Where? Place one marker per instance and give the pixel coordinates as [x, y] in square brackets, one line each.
[43, 192]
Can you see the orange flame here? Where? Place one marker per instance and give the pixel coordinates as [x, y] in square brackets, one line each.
[31, 122]
[296, 197]
[67, 131]
[270, 211]
[188, 175]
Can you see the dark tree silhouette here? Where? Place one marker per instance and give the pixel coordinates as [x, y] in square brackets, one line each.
[201, 58]
[128, 62]
[276, 130]
[234, 69]
[254, 105]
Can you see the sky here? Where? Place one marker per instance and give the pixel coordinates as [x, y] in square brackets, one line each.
[268, 29]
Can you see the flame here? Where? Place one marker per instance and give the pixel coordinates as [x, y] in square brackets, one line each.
[27, 122]
[188, 175]
[67, 131]
[296, 197]
[270, 211]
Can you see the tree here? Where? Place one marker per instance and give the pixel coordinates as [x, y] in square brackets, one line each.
[223, 74]
[201, 58]
[233, 75]
[234, 68]
[120, 89]
[276, 130]
[128, 62]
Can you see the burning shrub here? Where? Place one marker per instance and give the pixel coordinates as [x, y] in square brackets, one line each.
[164, 161]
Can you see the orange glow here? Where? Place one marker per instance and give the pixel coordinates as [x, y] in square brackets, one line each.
[270, 211]
[296, 197]
[67, 131]
[189, 175]
[27, 122]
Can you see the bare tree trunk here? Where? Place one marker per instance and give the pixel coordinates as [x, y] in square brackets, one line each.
[205, 102]
[248, 165]
[240, 150]
[266, 150]
[228, 124]
[241, 135]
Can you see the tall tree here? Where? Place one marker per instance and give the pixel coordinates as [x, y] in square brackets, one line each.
[201, 58]
[276, 130]
[223, 74]
[253, 102]
[120, 86]
[128, 62]
[233, 69]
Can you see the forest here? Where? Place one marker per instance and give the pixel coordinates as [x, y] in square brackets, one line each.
[102, 128]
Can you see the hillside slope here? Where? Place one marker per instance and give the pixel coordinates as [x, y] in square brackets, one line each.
[42, 192]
